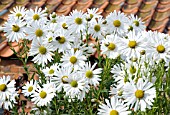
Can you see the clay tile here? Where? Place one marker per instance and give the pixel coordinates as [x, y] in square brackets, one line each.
[111, 8]
[51, 8]
[65, 12]
[163, 7]
[157, 25]
[145, 15]
[3, 44]
[132, 1]
[82, 7]
[101, 6]
[7, 52]
[105, 14]
[6, 1]
[64, 7]
[31, 6]
[159, 16]
[99, 2]
[53, 2]
[22, 2]
[38, 2]
[5, 16]
[68, 1]
[3, 7]
[149, 1]
[164, 1]
[147, 7]
[84, 2]
[115, 2]
[129, 8]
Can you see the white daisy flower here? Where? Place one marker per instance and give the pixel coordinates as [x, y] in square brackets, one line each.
[50, 71]
[35, 15]
[43, 96]
[14, 29]
[62, 23]
[7, 87]
[133, 45]
[29, 88]
[6, 104]
[76, 87]
[18, 12]
[136, 24]
[91, 74]
[139, 96]
[50, 38]
[62, 41]
[96, 28]
[73, 59]
[53, 18]
[92, 14]
[116, 22]
[62, 73]
[110, 46]
[80, 45]
[36, 30]
[158, 47]
[41, 52]
[114, 107]
[76, 22]
[118, 92]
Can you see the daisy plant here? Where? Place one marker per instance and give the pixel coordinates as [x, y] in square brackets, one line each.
[82, 61]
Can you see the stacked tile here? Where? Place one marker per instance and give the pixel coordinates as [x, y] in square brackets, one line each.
[100, 4]
[146, 10]
[51, 5]
[82, 5]
[113, 5]
[161, 16]
[65, 7]
[131, 6]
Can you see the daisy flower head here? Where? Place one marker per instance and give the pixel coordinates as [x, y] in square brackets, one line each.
[43, 96]
[76, 22]
[110, 46]
[36, 15]
[73, 59]
[50, 71]
[158, 47]
[18, 12]
[132, 45]
[76, 86]
[29, 88]
[14, 29]
[92, 14]
[36, 30]
[62, 41]
[49, 38]
[96, 28]
[53, 18]
[62, 73]
[116, 22]
[7, 87]
[114, 107]
[62, 23]
[139, 95]
[91, 74]
[42, 52]
[118, 92]
[136, 24]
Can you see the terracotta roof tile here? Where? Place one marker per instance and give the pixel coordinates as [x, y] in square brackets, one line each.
[155, 13]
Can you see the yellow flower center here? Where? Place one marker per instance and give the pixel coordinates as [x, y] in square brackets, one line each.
[75, 49]
[53, 16]
[64, 25]
[142, 52]
[18, 14]
[61, 40]
[3, 87]
[43, 94]
[38, 32]
[73, 59]
[130, 28]
[89, 74]
[111, 46]
[53, 20]
[51, 71]
[97, 27]
[78, 21]
[50, 39]
[15, 28]
[139, 94]
[120, 92]
[136, 23]
[91, 16]
[116, 23]
[160, 48]
[132, 70]
[62, 79]
[36, 17]
[42, 50]
[114, 112]
[132, 44]
[74, 83]
[30, 89]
